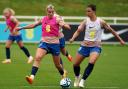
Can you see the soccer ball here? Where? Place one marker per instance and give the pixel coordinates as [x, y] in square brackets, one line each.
[65, 83]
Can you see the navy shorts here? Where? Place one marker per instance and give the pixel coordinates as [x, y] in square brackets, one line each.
[54, 49]
[15, 38]
[86, 51]
[62, 42]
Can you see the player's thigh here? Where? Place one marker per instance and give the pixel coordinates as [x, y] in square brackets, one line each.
[8, 43]
[93, 57]
[54, 49]
[20, 44]
[78, 59]
[40, 53]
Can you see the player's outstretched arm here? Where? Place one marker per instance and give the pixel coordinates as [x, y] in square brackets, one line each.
[76, 34]
[66, 26]
[29, 26]
[108, 27]
[63, 24]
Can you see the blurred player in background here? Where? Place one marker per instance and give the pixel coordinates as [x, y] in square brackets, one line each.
[50, 41]
[13, 23]
[62, 41]
[91, 46]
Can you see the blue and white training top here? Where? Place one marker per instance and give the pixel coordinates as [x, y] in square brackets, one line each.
[93, 30]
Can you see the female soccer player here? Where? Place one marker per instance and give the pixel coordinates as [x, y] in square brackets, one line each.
[91, 46]
[62, 41]
[50, 41]
[13, 23]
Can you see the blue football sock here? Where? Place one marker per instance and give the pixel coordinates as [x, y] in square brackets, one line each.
[88, 71]
[34, 70]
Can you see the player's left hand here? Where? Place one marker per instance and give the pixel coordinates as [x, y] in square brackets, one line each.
[122, 42]
[71, 40]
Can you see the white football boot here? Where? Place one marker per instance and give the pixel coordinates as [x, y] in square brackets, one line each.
[30, 60]
[6, 61]
[81, 84]
[77, 80]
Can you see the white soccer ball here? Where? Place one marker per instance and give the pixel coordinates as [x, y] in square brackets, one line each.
[65, 83]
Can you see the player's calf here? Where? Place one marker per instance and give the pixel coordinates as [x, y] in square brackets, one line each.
[7, 60]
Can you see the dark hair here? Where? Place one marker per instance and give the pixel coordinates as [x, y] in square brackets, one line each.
[92, 6]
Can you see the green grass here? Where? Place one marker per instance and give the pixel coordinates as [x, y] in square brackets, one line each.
[110, 70]
[67, 7]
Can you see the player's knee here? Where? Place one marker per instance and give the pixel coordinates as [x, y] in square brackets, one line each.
[21, 47]
[38, 58]
[92, 61]
[75, 65]
[7, 47]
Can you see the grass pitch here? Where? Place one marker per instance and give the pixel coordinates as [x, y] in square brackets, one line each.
[110, 72]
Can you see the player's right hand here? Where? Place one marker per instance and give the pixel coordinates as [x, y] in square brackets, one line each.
[71, 40]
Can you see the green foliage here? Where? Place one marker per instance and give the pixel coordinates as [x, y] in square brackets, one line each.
[67, 7]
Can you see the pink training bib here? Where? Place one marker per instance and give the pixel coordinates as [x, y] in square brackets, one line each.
[10, 24]
[50, 27]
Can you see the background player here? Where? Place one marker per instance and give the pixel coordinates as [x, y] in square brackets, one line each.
[13, 23]
[62, 41]
[91, 46]
[50, 41]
